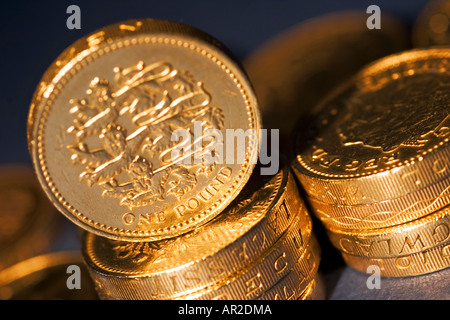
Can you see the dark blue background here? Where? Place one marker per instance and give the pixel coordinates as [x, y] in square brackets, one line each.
[34, 33]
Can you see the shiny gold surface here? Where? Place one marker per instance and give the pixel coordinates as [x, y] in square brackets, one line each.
[420, 263]
[292, 71]
[300, 278]
[373, 163]
[370, 150]
[251, 225]
[105, 111]
[419, 203]
[381, 136]
[284, 264]
[408, 238]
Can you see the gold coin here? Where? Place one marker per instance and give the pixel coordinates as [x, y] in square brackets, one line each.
[418, 203]
[299, 279]
[29, 224]
[287, 256]
[292, 71]
[405, 239]
[381, 136]
[254, 221]
[434, 259]
[132, 130]
[46, 277]
[432, 27]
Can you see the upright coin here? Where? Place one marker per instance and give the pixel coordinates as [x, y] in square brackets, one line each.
[143, 130]
[381, 136]
[292, 71]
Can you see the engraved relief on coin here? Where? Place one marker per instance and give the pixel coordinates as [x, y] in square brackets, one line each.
[240, 238]
[382, 122]
[103, 130]
[135, 165]
[152, 257]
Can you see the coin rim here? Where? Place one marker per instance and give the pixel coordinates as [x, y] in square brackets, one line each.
[377, 179]
[40, 108]
[396, 235]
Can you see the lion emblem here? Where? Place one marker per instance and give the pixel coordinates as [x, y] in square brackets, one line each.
[122, 132]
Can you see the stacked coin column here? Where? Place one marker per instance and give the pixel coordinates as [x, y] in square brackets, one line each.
[375, 164]
[128, 132]
[260, 247]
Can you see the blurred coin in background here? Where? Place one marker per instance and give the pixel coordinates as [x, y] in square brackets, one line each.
[46, 277]
[29, 223]
[294, 70]
[432, 26]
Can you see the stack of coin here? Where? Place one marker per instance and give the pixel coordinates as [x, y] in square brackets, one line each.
[375, 167]
[260, 247]
[135, 134]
